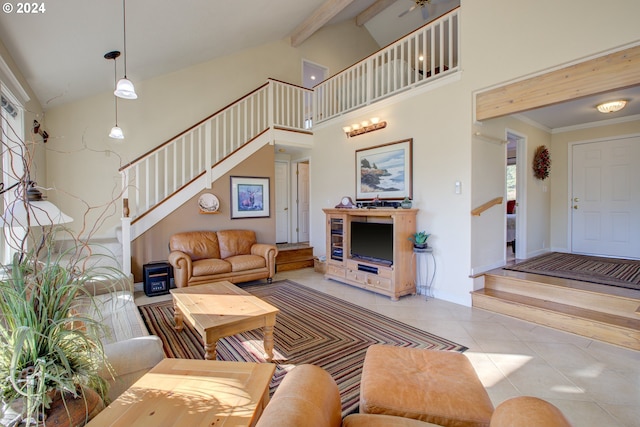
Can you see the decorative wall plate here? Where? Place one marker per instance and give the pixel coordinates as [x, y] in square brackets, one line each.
[208, 203]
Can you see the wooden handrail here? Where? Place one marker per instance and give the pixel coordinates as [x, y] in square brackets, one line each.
[477, 211]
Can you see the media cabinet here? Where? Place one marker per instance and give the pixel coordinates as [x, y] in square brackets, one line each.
[393, 280]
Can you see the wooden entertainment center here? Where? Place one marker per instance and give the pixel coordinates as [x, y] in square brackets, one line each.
[393, 280]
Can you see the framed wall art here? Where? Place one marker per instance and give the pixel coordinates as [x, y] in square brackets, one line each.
[385, 171]
[249, 197]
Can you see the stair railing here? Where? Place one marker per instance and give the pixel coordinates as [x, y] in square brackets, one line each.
[430, 52]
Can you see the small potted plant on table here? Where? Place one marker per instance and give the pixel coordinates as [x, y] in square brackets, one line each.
[419, 240]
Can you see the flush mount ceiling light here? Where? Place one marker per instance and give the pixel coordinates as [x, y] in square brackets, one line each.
[124, 88]
[612, 106]
[116, 132]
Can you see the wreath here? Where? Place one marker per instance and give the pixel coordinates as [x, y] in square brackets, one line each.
[541, 162]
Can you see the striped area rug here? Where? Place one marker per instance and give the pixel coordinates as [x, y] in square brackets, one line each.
[624, 273]
[311, 327]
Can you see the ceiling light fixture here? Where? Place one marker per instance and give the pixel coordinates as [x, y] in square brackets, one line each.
[116, 132]
[364, 127]
[612, 106]
[124, 88]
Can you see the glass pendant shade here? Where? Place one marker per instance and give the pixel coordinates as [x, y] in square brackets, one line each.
[125, 89]
[116, 133]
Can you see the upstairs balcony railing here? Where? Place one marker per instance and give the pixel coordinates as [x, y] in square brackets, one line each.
[430, 52]
[158, 174]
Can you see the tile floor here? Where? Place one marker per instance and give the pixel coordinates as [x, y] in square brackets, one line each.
[593, 384]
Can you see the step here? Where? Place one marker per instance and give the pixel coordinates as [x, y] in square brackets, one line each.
[610, 328]
[294, 258]
[591, 296]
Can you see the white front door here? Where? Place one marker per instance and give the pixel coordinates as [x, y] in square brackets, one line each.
[605, 199]
[282, 202]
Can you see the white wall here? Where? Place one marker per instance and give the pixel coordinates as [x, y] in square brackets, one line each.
[501, 40]
[84, 161]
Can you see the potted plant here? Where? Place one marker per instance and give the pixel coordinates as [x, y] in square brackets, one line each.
[51, 355]
[419, 239]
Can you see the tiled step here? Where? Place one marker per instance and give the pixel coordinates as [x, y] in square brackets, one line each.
[294, 258]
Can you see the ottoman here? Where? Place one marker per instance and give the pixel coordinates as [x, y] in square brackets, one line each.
[439, 387]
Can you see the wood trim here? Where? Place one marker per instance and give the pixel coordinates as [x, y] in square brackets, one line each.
[616, 70]
[368, 14]
[477, 211]
[317, 19]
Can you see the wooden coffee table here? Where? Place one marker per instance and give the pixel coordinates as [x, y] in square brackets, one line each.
[183, 392]
[221, 309]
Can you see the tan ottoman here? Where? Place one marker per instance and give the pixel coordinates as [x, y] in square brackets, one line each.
[439, 387]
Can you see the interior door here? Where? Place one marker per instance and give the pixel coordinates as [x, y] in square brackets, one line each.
[303, 202]
[605, 200]
[282, 202]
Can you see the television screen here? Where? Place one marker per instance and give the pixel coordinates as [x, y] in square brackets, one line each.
[372, 241]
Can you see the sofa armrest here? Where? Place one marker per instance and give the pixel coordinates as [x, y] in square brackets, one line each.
[307, 396]
[129, 360]
[182, 268]
[524, 411]
[269, 253]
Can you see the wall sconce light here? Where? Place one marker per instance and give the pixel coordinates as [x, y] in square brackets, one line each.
[43, 133]
[612, 106]
[364, 127]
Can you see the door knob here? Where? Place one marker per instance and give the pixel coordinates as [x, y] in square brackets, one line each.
[576, 199]
[575, 207]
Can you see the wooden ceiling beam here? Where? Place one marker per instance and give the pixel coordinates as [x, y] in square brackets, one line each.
[317, 19]
[614, 71]
[372, 11]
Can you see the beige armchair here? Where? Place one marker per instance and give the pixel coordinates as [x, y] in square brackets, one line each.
[201, 257]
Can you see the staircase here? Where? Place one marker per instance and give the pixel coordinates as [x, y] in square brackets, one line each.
[294, 256]
[599, 312]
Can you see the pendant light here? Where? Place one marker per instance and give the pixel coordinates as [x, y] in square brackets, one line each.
[116, 132]
[124, 88]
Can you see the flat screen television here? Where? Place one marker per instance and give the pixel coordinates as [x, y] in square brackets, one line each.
[372, 241]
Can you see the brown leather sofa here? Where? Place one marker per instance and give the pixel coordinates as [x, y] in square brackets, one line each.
[201, 257]
[309, 397]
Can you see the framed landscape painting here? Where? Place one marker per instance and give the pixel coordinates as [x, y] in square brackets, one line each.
[385, 171]
[249, 197]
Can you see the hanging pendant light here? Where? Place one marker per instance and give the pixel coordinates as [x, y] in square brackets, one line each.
[124, 88]
[116, 132]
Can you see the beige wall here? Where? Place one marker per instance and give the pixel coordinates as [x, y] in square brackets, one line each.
[84, 161]
[153, 244]
[501, 41]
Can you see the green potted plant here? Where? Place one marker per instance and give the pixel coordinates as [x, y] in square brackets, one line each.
[419, 239]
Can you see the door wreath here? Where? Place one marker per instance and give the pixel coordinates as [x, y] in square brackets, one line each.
[541, 163]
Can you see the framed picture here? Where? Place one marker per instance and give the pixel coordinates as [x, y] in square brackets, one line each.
[249, 197]
[385, 171]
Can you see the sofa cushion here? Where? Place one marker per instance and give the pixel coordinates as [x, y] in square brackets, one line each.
[235, 242]
[196, 244]
[207, 267]
[246, 262]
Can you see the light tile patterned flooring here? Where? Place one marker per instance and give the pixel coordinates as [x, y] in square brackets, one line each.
[593, 384]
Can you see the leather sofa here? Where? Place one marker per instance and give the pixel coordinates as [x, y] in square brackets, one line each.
[309, 397]
[201, 257]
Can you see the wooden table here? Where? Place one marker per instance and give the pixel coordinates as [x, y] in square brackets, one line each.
[221, 309]
[192, 393]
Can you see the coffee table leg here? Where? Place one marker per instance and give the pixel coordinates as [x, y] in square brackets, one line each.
[210, 342]
[268, 338]
[177, 317]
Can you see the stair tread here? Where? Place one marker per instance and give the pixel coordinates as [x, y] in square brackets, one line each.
[593, 315]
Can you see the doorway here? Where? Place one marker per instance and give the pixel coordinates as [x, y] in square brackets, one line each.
[604, 199]
[515, 191]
